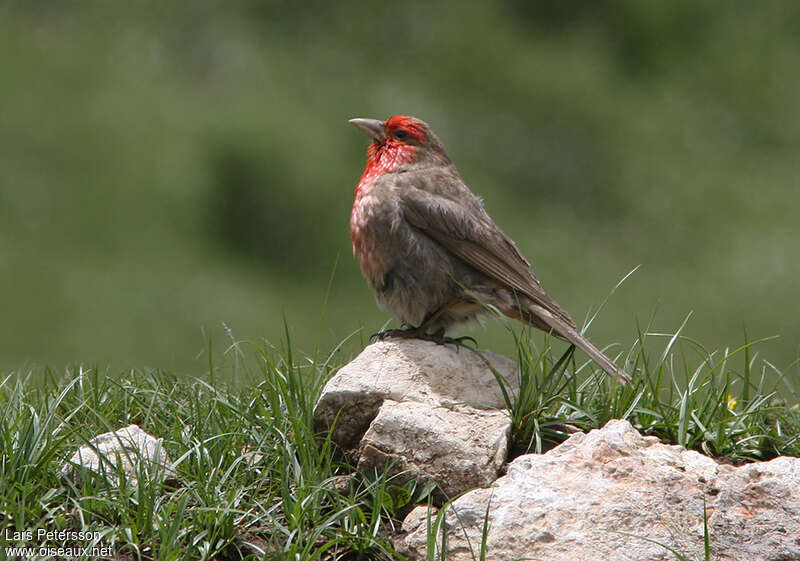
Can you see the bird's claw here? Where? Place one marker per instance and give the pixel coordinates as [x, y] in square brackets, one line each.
[417, 333]
[460, 340]
[457, 341]
[399, 333]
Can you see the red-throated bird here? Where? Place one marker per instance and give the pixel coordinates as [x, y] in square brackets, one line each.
[429, 250]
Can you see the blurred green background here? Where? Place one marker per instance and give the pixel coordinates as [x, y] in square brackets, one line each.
[169, 166]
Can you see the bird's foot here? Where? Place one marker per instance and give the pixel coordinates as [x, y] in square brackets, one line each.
[408, 333]
[419, 333]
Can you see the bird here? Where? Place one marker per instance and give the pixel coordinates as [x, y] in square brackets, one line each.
[431, 253]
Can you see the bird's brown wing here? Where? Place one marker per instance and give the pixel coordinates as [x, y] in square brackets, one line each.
[467, 231]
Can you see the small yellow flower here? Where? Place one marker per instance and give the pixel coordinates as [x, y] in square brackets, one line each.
[731, 402]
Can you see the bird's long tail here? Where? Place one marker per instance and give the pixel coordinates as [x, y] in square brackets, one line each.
[566, 331]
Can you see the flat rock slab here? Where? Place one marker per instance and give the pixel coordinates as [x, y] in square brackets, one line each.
[601, 496]
[432, 412]
[128, 450]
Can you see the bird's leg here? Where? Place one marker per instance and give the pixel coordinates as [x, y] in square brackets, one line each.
[409, 332]
[421, 332]
[438, 336]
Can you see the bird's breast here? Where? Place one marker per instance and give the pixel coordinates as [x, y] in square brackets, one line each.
[367, 220]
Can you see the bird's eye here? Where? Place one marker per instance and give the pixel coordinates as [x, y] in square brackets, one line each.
[401, 134]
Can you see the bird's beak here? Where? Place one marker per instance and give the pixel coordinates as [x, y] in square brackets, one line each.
[373, 128]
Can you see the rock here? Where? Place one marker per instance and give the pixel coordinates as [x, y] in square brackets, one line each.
[342, 484]
[129, 449]
[420, 517]
[459, 448]
[429, 411]
[603, 495]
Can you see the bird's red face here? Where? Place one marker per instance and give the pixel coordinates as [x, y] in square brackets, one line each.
[402, 130]
[396, 141]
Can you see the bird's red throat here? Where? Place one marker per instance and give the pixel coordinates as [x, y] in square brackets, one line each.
[383, 157]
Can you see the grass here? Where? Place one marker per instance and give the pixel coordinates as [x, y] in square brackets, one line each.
[727, 404]
[256, 481]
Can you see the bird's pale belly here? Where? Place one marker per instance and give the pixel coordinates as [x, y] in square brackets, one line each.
[411, 276]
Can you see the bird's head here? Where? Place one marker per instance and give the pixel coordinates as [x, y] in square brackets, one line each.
[398, 141]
